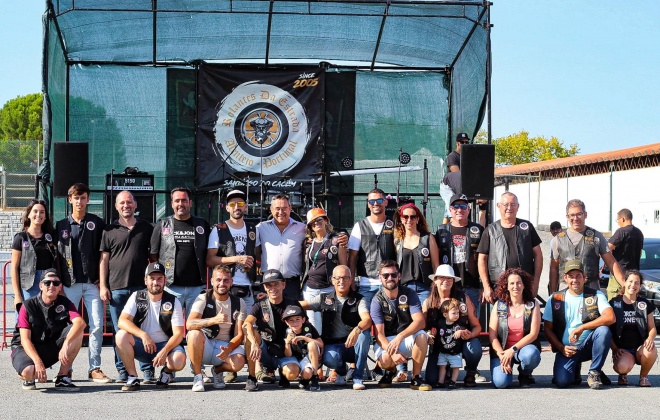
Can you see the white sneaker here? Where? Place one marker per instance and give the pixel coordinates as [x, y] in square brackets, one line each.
[198, 383]
[341, 380]
[358, 385]
[218, 380]
[479, 378]
[205, 377]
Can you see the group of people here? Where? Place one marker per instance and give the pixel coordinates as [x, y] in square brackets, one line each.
[321, 296]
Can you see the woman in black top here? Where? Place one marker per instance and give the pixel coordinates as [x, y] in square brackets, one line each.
[33, 251]
[634, 331]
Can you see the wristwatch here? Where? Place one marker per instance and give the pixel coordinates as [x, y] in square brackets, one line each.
[515, 349]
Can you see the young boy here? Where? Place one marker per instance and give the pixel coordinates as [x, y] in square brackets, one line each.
[447, 338]
[304, 343]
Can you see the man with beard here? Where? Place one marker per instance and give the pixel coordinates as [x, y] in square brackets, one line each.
[399, 321]
[151, 330]
[215, 330]
[179, 242]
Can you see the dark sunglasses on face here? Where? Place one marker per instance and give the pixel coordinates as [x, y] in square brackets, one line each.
[319, 219]
[409, 217]
[55, 283]
[388, 275]
[460, 206]
[375, 201]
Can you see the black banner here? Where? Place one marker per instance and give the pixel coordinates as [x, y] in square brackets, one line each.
[259, 122]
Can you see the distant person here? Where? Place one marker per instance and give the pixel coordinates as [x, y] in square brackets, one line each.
[626, 245]
[450, 186]
[454, 158]
[555, 228]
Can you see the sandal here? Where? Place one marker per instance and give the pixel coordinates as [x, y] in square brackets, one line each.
[332, 378]
[644, 381]
[623, 379]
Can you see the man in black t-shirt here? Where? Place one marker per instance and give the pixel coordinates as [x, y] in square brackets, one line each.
[626, 245]
[454, 158]
[179, 242]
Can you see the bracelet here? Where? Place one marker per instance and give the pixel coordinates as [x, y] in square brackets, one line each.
[359, 329]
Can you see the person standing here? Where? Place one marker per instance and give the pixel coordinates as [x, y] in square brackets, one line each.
[78, 238]
[454, 158]
[626, 245]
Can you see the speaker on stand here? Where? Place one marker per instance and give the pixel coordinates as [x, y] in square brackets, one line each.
[70, 166]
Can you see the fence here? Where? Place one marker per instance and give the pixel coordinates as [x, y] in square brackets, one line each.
[19, 164]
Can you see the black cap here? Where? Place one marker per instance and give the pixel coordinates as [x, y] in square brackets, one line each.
[236, 194]
[155, 267]
[292, 310]
[49, 274]
[458, 197]
[271, 276]
[462, 137]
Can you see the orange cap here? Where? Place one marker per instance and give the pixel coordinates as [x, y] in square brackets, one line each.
[315, 213]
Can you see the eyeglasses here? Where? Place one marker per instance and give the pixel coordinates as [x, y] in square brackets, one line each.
[319, 219]
[375, 201]
[575, 215]
[344, 279]
[460, 206]
[509, 205]
[236, 204]
[388, 275]
[49, 283]
[409, 217]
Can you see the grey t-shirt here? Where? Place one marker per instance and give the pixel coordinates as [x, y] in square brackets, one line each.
[339, 329]
[575, 237]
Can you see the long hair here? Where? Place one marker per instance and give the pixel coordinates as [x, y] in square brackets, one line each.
[434, 299]
[400, 229]
[309, 232]
[47, 226]
[632, 272]
[502, 290]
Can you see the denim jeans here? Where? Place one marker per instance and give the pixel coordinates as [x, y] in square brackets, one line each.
[315, 317]
[527, 357]
[471, 354]
[421, 289]
[473, 294]
[595, 348]
[336, 356]
[34, 289]
[368, 290]
[117, 303]
[186, 295]
[90, 295]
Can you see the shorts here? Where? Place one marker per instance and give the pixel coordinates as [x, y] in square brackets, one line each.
[306, 363]
[212, 349]
[142, 356]
[453, 360]
[49, 352]
[405, 348]
[634, 354]
[273, 361]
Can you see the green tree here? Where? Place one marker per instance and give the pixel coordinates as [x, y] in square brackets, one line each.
[519, 148]
[20, 118]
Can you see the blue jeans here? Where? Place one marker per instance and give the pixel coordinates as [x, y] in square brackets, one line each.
[421, 289]
[528, 357]
[186, 295]
[595, 348]
[471, 354]
[336, 356]
[118, 300]
[368, 291]
[89, 293]
[473, 294]
[315, 318]
[34, 289]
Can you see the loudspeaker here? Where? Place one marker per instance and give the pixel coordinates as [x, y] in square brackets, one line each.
[478, 170]
[146, 206]
[70, 165]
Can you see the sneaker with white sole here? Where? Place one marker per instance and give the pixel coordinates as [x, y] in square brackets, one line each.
[207, 380]
[218, 380]
[479, 378]
[29, 385]
[358, 385]
[341, 380]
[132, 384]
[63, 383]
[165, 378]
[198, 383]
[149, 377]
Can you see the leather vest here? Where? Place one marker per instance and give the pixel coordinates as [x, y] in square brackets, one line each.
[142, 303]
[434, 315]
[28, 263]
[498, 249]
[374, 248]
[589, 310]
[503, 323]
[89, 239]
[227, 246]
[396, 318]
[588, 253]
[44, 328]
[641, 315]
[331, 256]
[421, 255]
[445, 245]
[210, 310]
[167, 252]
[350, 315]
[267, 329]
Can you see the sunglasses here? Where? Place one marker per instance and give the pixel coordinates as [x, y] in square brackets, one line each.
[236, 204]
[375, 201]
[460, 206]
[49, 283]
[319, 219]
[409, 217]
[388, 275]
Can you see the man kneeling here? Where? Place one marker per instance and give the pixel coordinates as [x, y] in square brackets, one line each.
[151, 330]
[215, 330]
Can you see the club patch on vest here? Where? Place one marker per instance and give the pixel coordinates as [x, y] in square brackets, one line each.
[389, 224]
[235, 315]
[165, 231]
[529, 305]
[306, 329]
[403, 299]
[60, 309]
[329, 301]
[91, 225]
[501, 306]
[462, 308]
[199, 230]
[48, 237]
[69, 262]
[351, 301]
[445, 259]
[167, 306]
[557, 305]
[266, 317]
[333, 249]
[252, 236]
[589, 301]
[26, 244]
[425, 252]
[64, 234]
[142, 306]
[168, 265]
[474, 229]
[210, 306]
[441, 331]
[524, 226]
[617, 304]
[641, 305]
[589, 233]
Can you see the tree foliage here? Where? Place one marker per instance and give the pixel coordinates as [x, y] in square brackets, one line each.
[519, 148]
[20, 118]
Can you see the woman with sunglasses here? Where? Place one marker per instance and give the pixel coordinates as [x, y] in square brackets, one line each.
[33, 251]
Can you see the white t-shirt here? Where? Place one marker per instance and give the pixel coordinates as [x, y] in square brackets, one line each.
[150, 325]
[240, 240]
[354, 244]
[223, 307]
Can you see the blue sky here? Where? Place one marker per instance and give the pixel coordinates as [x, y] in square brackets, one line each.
[586, 72]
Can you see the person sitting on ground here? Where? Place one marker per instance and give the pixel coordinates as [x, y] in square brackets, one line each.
[304, 343]
[446, 339]
[48, 329]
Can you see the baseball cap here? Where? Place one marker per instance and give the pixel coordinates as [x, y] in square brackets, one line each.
[236, 194]
[292, 310]
[444, 270]
[50, 274]
[155, 267]
[462, 137]
[271, 276]
[315, 213]
[573, 265]
[458, 197]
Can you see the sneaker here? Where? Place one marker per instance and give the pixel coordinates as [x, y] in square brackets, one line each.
[479, 378]
[132, 384]
[284, 381]
[303, 384]
[593, 380]
[524, 380]
[63, 383]
[341, 380]
[121, 378]
[349, 374]
[218, 380]
[314, 383]
[149, 377]
[401, 376]
[377, 373]
[198, 383]
[622, 380]
[470, 379]
[644, 381]
[230, 377]
[265, 378]
[450, 384]
[386, 379]
[165, 378]
[29, 385]
[441, 384]
[251, 384]
[205, 377]
[358, 385]
[419, 384]
[97, 375]
[604, 379]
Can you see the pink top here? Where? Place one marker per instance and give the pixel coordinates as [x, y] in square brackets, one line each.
[516, 331]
